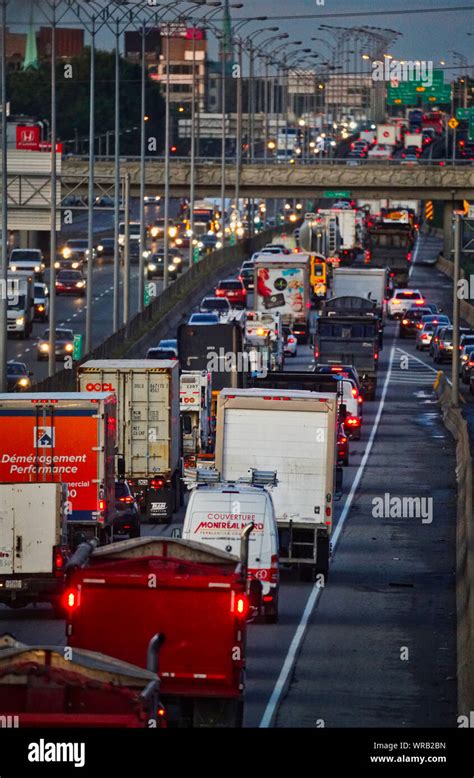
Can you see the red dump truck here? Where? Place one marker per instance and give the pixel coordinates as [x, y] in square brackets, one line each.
[41, 686]
[193, 595]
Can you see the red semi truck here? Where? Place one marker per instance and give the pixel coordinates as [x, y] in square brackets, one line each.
[192, 595]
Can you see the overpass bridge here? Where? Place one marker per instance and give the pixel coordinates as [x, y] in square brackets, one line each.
[424, 180]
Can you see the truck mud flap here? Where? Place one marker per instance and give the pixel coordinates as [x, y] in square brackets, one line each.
[159, 505]
[218, 712]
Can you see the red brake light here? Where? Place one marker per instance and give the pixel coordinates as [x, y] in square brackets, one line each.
[157, 483]
[71, 600]
[241, 606]
[101, 505]
[355, 393]
[376, 356]
[420, 302]
[128, 499]
[404, 321]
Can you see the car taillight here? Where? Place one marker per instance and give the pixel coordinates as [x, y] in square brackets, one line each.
[126, 499]
[404, 321]
[101, 505]
[157, 483]
[352, 421]
[71, 600]
[241, 606]
[470, 363]
[355, 393]
[376, 356]
[419, 302]
[219, 292]
[59, 559]
[441, 345]
[291, 339]
[343, 439]
[419, 326]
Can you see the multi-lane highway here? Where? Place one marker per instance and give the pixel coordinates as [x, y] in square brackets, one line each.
[376, 646]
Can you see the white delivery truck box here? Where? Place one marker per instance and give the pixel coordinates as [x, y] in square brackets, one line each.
[293, 433]
[33, 547]
[282, 285]
[370, 283]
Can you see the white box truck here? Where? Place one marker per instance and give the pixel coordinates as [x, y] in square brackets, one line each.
[33, 547]
[148, 429]
[413, 139]
[291, 432]
[370, 283]
[281, 285]
[20, 304]
[195, 400]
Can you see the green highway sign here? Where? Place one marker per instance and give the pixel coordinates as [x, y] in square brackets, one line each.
[195, 254]
[232, 239]
[336, 193]
[408, 92]
[77, 343]
[463, 113]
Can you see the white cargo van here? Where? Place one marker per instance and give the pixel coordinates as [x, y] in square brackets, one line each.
[216, 515]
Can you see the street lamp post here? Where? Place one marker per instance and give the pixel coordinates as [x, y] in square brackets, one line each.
[4, 238]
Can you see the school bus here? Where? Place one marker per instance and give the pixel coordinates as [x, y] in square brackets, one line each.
[318, 275]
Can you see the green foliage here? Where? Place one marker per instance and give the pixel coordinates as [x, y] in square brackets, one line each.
[30, 94]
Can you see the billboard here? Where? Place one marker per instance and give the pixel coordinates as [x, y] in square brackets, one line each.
[281, 289]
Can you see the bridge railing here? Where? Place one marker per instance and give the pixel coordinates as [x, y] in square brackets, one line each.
[324, 161]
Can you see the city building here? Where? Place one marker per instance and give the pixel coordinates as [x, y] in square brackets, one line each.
[184, 49]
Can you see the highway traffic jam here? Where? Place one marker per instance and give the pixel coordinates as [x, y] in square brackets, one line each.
[190, 500]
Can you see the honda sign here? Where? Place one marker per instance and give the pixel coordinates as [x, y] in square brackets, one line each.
[28, 137]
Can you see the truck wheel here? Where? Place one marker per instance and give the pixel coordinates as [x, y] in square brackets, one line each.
[270, 615]
[322, 556]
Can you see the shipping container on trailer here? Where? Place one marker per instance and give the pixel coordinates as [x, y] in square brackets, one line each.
[148, 431]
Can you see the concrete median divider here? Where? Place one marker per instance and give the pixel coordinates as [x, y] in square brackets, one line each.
[466, 309]
[166, 310]
[457, 425]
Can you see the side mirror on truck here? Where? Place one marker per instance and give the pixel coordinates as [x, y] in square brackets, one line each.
[338, 486]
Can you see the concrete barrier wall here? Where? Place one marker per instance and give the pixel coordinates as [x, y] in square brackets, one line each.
[166, 311]
[457, 425]
[466, 309]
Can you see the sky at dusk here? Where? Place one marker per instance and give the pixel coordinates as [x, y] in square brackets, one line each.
[425, 36]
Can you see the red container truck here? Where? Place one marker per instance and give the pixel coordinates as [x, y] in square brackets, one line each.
[191, 594]
[64, 437]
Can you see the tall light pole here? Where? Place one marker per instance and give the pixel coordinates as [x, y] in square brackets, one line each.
[52, 285]
[202, 19]
[4, 184]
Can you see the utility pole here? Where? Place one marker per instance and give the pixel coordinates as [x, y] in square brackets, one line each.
[4, 238]
[126, 253]
[115, 317]
[52, 285]
[141, 260]
[90, 203]
[455, 353]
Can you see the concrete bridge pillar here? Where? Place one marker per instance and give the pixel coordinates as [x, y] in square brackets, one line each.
[447, 229]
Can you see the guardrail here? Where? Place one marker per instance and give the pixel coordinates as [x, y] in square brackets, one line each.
[324, 161]
[457, 425]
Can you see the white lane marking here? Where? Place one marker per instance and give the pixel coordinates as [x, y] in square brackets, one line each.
[425, 364]
[415, 256]
[290, 659]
